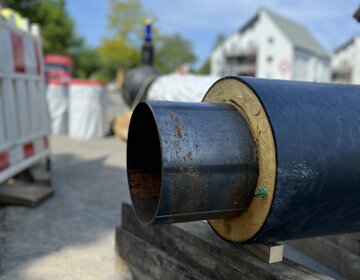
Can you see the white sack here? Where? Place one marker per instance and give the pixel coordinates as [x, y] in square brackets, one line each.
[175, 87]
[87, 114]
[57, 100]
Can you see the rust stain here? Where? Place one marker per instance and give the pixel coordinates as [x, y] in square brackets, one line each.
[188, 196]
[174, 117]
[193, 175]
[144, 183]
[189, 155]
[175, 192]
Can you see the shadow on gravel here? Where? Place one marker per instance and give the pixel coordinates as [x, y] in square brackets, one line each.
[86, 203]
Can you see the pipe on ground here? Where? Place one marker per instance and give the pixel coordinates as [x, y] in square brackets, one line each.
[261, 160]
[146, 83]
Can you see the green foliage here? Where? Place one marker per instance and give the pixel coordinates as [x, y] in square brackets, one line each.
[57, 26]
[119, 50]
[86, 62]
[122, 49]
[116, 54]
[205, 68]
[125, 20]
[172, 52]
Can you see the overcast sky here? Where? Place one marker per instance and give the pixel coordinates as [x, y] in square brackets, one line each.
[200, 21]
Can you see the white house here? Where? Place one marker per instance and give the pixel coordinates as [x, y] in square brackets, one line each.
[345, 62]
[272, 46]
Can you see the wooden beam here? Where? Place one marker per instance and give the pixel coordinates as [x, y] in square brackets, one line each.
[24, 194]
[193, 251]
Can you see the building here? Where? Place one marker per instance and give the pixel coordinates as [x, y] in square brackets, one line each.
[272, 46]
[345, 62]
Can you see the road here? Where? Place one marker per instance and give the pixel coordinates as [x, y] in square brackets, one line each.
[71, 235]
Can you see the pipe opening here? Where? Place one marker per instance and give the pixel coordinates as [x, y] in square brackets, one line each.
[144, 165]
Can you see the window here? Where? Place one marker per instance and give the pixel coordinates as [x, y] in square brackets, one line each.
[270, 40]
[269, 59]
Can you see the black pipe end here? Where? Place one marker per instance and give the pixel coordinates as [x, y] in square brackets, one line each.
[144, 166]
[136, 83]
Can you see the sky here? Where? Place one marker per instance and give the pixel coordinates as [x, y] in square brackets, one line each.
[200, 21]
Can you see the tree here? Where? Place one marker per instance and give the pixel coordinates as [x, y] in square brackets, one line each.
[58, 33]
[205, 67]
[121, 48]
[58, 29]
[116, 54]
[86, 62]
[172, 52]
[125, 20]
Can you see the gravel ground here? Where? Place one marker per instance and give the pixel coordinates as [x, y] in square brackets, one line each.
[71, 235]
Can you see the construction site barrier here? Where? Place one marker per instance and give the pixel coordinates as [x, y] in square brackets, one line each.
[24, 117]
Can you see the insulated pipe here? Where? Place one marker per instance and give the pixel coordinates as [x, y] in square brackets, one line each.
[145, 83]
[178, 151]
[136, 84]
[138, 80]
[307, 151]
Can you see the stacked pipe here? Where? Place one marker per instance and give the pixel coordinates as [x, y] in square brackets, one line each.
[261, 160]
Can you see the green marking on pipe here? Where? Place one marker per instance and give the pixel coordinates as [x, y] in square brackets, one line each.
[261, 192]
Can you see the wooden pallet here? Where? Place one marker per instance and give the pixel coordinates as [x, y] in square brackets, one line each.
[27, 189]
[193, 251]
[341, 253]
[121, 125]
[22, 194]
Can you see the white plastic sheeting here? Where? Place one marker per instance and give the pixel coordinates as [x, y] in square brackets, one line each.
[57, 99]
[175, 87]
[87, 116]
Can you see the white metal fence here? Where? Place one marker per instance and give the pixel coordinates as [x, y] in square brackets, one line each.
[24, 118]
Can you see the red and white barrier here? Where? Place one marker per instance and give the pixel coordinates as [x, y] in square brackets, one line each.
[24, 117]
[87, 116]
